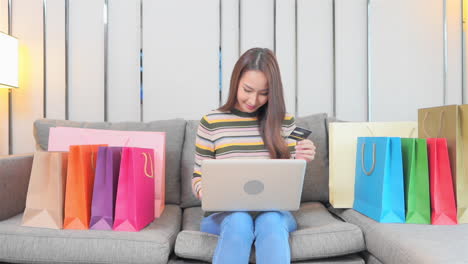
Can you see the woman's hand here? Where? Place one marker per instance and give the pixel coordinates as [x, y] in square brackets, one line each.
[200, 194]
[305, 149]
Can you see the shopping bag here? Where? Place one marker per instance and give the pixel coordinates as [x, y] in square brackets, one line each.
[379, 189]
[134, 207]
[105, 188]
[62, 137]
[450, 122]
[342, 151]
[444, 211]
[79, 187]
[46, 191]
[462, 166]
[416, 174]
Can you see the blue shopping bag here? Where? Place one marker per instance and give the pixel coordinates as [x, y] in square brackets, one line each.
[379, 190]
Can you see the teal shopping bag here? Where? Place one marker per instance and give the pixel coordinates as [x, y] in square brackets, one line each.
[379, 190]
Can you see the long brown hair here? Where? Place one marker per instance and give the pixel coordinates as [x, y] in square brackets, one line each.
[271, 114]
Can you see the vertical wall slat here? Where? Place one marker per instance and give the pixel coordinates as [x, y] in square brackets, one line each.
[465, 52]
[181, 58]
[229, 42]
[27, 100]
[257, 24]
[407, 57]
[4, 92]
[55, 59]
[86, 60]
[286, 49]
[124, 60]
[351, 59]
[315, 56]
[454, 52]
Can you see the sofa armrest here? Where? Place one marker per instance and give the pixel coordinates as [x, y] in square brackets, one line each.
[15, 171]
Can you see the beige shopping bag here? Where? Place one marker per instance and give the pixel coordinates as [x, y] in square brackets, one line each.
[451, 122]
[45, 197]
[342, 153]
[462, 167]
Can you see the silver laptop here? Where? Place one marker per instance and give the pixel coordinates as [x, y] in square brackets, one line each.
[252, 184]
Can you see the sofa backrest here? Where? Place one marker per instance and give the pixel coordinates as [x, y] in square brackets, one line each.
[174, 128]
[316, 178]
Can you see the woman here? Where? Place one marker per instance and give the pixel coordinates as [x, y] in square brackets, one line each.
[252, 124]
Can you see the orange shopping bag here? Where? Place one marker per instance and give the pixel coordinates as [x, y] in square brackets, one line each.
[79, 188]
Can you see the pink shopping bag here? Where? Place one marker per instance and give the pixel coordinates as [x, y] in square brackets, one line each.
[135, 192]
[60, 138]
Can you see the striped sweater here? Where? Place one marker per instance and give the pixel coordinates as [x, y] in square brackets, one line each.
[235, 134]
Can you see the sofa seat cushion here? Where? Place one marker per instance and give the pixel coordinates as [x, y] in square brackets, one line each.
[319, 235]
[174, 128]
[39, 245]
[349, 259]
[411, 243]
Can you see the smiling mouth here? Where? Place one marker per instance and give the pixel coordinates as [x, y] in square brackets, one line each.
[250, 107]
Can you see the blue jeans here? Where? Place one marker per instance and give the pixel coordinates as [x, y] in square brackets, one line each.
[238, 230]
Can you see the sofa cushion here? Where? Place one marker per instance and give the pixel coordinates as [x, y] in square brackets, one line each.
[350, 259]
[174, 128]
[14, 181]
[316, 178]
[315, 186]
[39, 245]
[411, 243]
[319, 235]
[186, 167]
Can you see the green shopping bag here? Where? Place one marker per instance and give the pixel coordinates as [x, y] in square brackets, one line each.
[416, 174]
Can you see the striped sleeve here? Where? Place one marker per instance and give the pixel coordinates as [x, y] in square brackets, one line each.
[204, 149]
[289, 124]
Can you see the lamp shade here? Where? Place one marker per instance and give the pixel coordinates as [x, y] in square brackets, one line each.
[8, 61]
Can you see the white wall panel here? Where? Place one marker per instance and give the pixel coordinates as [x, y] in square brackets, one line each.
[286, 49]
[465, 53]
[406, 53]
[27, 100]
[86, 60]
[257, 24]
[124, 60]
[351, 59]
[55, 59]
[4, 92]
[454, 52]
[181, 58]
[315, 56]
[229, 42]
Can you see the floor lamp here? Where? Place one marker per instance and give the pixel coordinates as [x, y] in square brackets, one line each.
[8, 71]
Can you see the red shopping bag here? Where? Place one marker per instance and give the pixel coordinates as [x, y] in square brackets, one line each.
[444, 210]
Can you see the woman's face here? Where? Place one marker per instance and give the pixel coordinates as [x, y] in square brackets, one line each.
[252, 92]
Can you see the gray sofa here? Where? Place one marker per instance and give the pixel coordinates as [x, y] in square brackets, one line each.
[322, 235]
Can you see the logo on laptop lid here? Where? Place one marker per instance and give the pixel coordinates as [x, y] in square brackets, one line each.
[253, 187]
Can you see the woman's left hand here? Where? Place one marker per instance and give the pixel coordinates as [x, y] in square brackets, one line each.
[305, 149]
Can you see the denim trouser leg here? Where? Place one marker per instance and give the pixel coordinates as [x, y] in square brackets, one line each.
[272, 237]
[235, 236]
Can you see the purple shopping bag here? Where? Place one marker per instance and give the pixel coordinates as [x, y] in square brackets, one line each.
[105, 188]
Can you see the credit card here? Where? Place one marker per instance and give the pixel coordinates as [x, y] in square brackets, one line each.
[300, 133]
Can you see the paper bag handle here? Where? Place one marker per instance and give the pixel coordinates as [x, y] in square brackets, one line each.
[363, 167]
[440, 123]
[92, 160]
[146, 155]
[370, 130]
